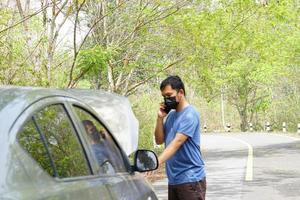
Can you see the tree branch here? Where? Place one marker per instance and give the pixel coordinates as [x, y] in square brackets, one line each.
[26, 18]
[83, 41]
[134, 87]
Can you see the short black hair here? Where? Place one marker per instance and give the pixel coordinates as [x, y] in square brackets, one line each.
[174, 81]
[87, 122]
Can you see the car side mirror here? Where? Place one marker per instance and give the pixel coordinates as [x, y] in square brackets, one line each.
[145, 160]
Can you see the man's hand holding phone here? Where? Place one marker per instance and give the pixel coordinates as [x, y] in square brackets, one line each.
[162, 111]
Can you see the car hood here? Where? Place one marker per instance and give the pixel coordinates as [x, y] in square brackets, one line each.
[116, 111]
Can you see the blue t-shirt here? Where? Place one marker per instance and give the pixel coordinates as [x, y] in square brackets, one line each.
[186, 165]
[100, 152]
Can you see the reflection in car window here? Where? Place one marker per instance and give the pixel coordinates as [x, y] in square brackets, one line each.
[52, 129]
[103, 146]
[30, 139]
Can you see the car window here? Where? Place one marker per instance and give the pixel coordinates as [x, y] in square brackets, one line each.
[50, 139]
[104, 148]
[30, 140]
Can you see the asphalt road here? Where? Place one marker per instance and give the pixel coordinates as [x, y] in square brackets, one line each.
[247, 166]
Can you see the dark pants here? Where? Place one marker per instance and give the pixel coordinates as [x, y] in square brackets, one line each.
[188, 191]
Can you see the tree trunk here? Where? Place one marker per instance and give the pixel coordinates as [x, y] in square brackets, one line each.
[99, 79]
[222, 109]
[110, 77]
[243, 117]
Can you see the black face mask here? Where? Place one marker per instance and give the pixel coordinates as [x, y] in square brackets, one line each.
[170, 103]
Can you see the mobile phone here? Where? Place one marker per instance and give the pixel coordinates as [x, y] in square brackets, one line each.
[167, 109]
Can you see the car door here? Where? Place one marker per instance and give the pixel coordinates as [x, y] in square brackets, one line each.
[53, 155]
[114, 168]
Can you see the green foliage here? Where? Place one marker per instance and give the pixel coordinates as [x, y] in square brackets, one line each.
[65, 149]
[22, 51]
[145, 108]
[94, 59]
[53, 132]
[238, 48]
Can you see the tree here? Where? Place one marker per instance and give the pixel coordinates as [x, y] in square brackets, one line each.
[131, 35]
[38, 57]
[237, 48]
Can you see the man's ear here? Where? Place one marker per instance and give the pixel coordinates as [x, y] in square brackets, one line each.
[181, 92]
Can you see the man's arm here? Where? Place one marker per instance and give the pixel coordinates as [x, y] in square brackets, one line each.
[172, 148]
[159, 130]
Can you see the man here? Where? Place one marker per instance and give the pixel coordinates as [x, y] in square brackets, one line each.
[100, 147]
[181, 134]
[96, 141]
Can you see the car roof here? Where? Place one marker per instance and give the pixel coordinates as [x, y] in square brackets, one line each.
[29, 94]
[114, 109]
